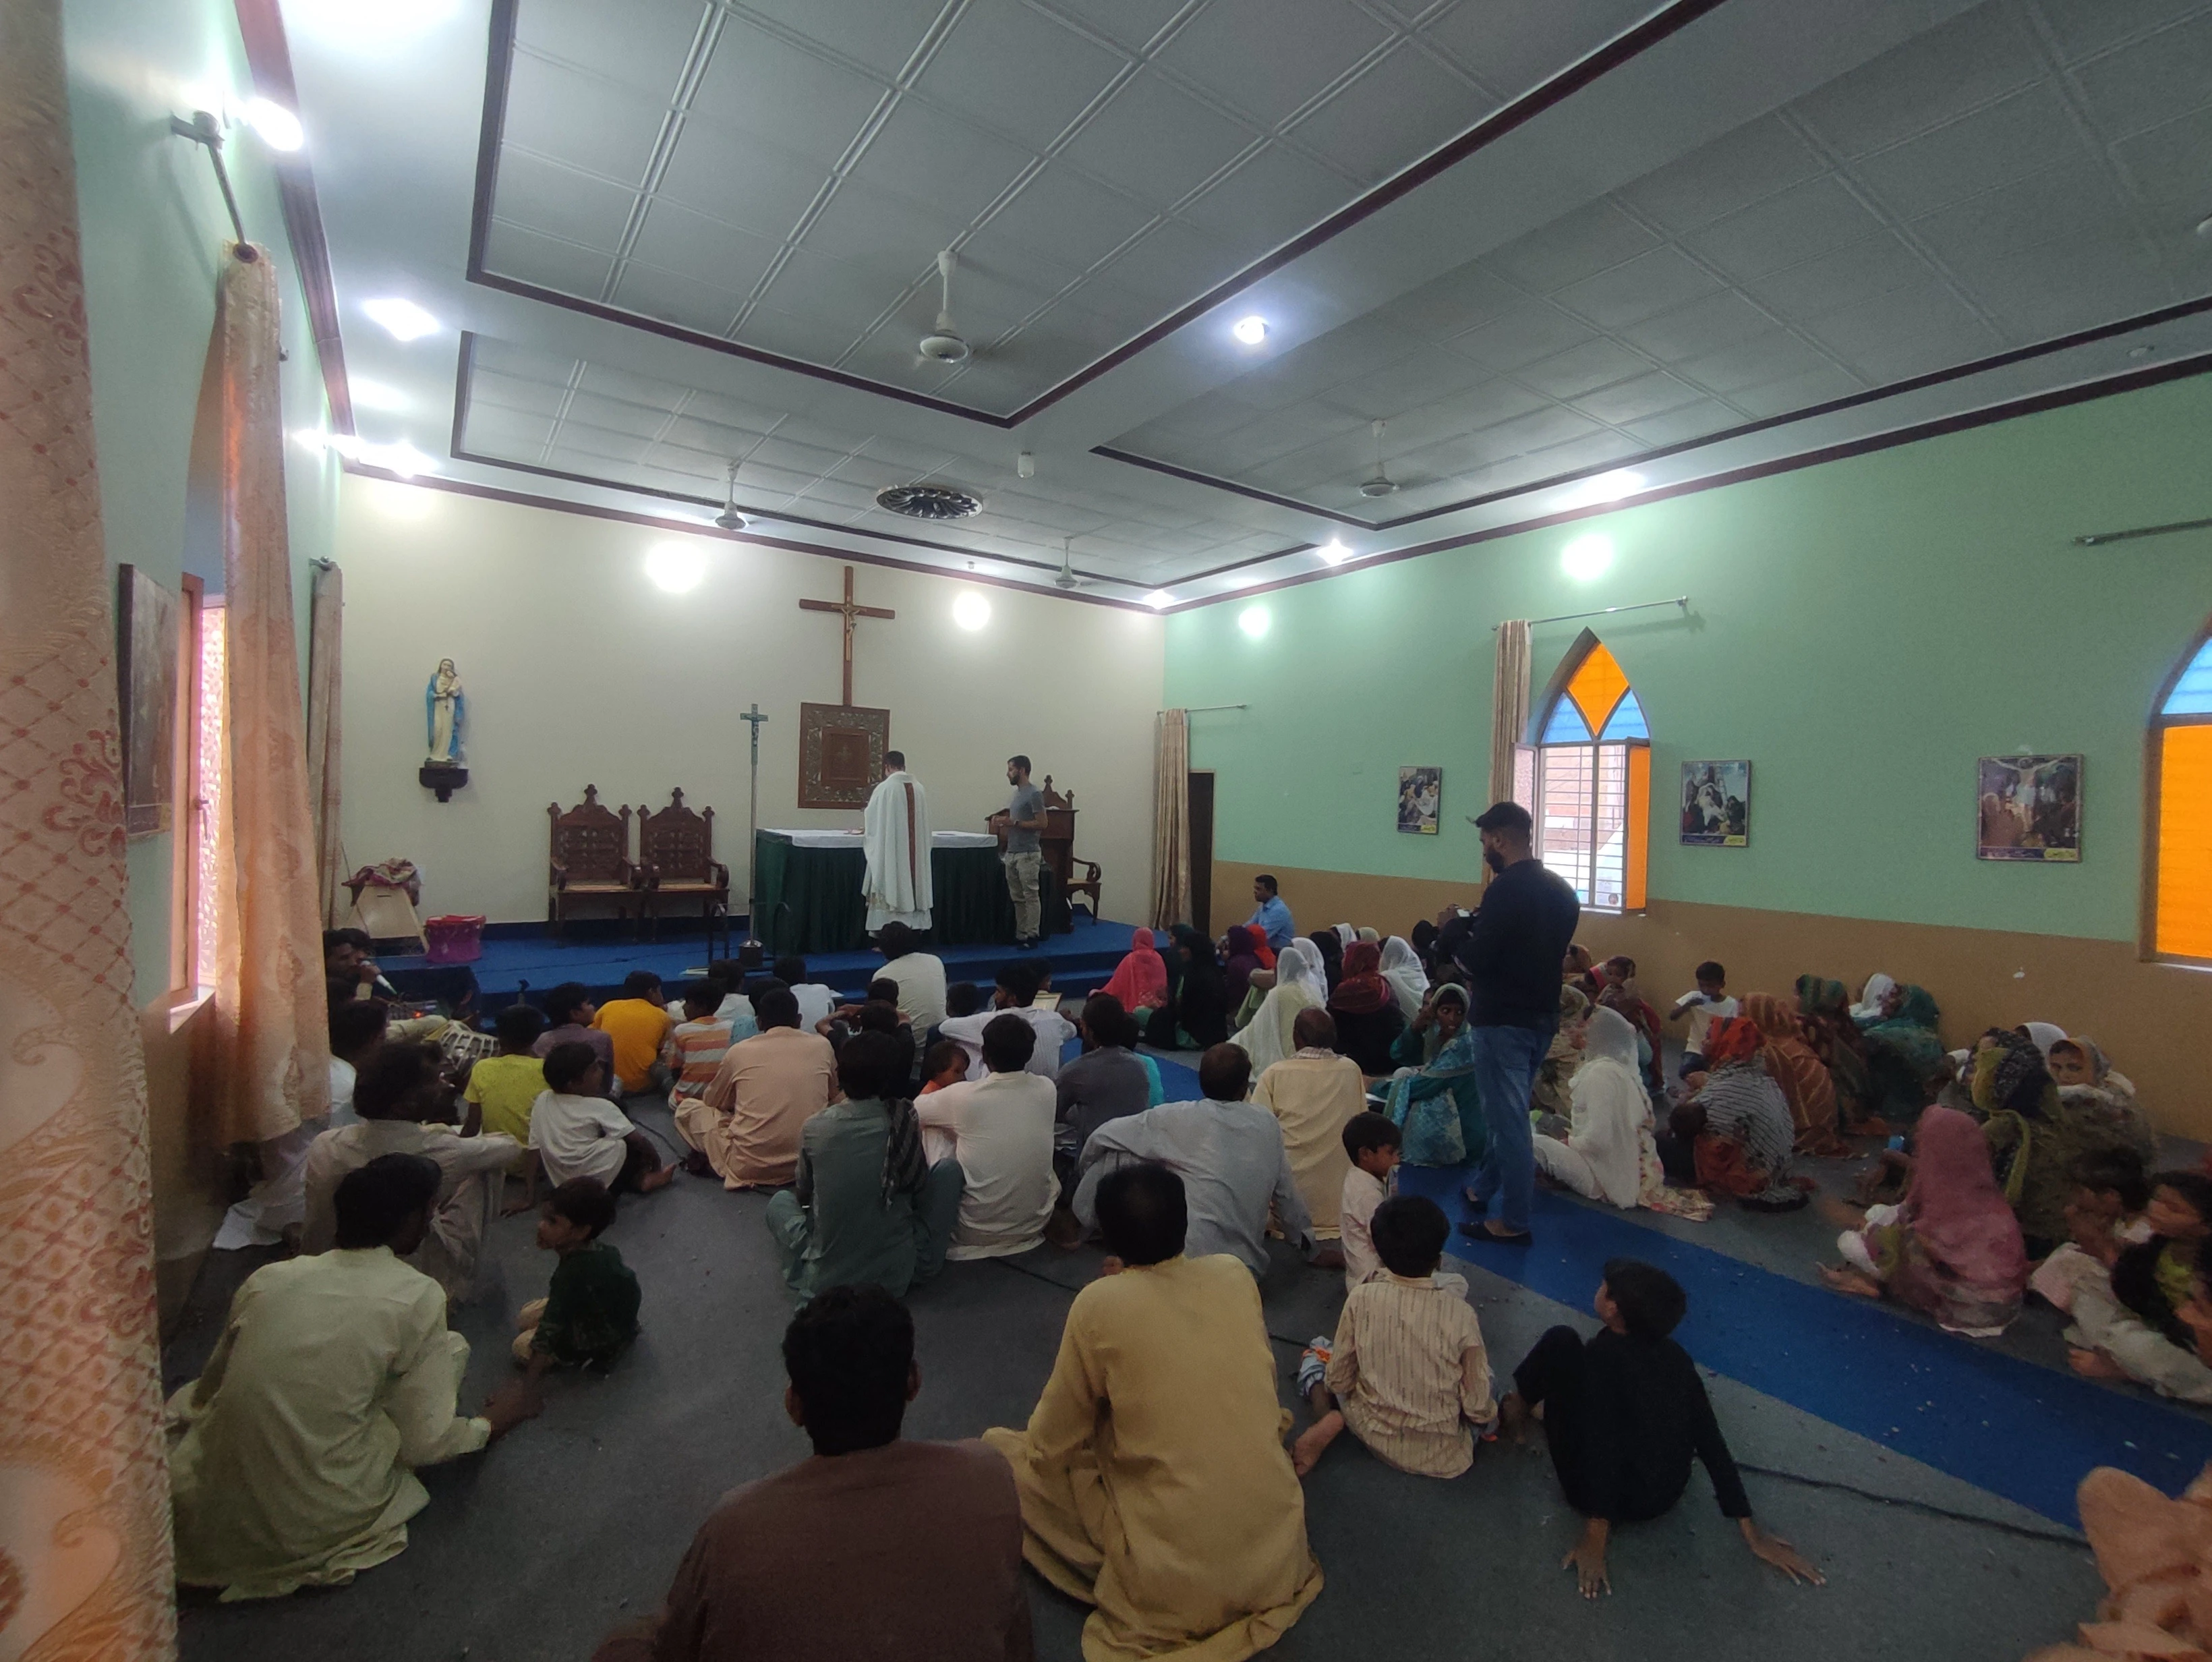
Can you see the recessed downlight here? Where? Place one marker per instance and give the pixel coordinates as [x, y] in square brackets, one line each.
[1251, 330]
[403, 320]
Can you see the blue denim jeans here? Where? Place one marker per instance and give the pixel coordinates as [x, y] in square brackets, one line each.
[1505, 1063]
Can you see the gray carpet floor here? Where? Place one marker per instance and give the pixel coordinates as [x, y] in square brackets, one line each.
[575, 1523]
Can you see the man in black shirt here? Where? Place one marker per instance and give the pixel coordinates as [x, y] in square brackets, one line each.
[1623, 1414]
[1511, 952]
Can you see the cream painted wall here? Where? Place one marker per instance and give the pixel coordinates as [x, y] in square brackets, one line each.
[579, 670]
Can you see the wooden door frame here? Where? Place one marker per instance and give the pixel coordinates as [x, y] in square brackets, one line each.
[1203, 923]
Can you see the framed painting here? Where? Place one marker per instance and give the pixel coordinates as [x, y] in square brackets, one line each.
[1420, 793]
[1717, 805]
[2029, 808]
[147, 619]
[840, 754]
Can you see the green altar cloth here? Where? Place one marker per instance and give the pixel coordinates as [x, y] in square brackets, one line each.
[810, 899]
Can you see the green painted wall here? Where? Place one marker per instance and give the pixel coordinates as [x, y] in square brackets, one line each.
[152, 229]
[1861, 631]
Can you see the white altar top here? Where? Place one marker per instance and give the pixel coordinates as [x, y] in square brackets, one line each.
[851, 839]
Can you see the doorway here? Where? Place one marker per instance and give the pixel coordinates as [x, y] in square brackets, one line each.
[1199, 800]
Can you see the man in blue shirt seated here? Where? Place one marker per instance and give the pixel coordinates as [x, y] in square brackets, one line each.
[1272, 919]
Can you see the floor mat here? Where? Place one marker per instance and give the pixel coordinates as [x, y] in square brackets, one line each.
[2008, 1425]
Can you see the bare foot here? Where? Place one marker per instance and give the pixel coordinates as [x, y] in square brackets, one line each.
[2094, 1364]
[652, 1180]
[1313, 1440]
[1513, 1418]
[1839, 1279]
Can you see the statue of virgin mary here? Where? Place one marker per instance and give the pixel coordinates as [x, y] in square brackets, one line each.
[446, 706]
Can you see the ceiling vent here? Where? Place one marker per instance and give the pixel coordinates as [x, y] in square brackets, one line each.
[928, 501]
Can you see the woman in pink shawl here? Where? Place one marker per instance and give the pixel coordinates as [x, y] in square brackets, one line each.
[1140, 980]
[1953, 1249]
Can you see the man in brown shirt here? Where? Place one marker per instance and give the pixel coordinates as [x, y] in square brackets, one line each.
[747, 1124]
[876, 1547]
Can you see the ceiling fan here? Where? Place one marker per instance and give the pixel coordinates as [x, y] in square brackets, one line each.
[729, 519]
[1382, 485]
[1067, 578]
[946, 345]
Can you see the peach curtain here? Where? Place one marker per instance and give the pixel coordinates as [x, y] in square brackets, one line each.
[271, 1041]
[1171, 820]
[325, 620]
[84, 1508]
[1509, 707]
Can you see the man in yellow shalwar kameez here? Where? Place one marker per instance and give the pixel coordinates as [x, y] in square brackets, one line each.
[1153, 1480]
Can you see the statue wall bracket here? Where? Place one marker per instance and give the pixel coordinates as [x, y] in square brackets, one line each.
[443, 778]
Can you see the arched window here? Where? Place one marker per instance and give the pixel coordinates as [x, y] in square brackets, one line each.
[2181, 794]
[1586, 777]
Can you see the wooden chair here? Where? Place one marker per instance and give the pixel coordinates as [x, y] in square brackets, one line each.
[676, 860]
[1059, 842]
[589, 859]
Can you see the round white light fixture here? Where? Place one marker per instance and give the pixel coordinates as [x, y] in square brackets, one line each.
[1158, 598]
[677, 567]
[1334, 551]
[374, 394]
[1254, 621]
[1587, 557]
[1250, 330]
[970, 610]
[279, 127]
[403, 320]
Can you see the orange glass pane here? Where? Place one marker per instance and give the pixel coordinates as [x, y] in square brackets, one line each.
[1638, 827]
[1597, 687]
[2183, 925]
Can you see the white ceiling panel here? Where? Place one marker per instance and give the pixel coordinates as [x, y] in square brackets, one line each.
[1268, 59]
[1017, 71]
[1401, 107]
[1157, 142]
[756, 86]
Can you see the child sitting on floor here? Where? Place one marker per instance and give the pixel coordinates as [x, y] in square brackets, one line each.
[697, 1046]
[1622, 1412]
[2154, 1324]
[1708, 1003]
[576, 1132]
[1407, 1371]
[589, 1314]
[502, 1088]
[945, 1063]
[2111, 1189]
[1374, 1142]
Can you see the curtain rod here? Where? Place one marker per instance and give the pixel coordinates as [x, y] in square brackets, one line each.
[1199, 709]
[1682, 600]
[204, 129]
[2098, 537]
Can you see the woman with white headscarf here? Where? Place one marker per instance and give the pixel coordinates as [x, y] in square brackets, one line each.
[1610, 1153]
[2043, 1035]
[1401, 968]
[1301, 983]
[1873, 1005]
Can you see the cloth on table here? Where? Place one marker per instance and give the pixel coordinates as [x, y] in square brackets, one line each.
[1313, 1095]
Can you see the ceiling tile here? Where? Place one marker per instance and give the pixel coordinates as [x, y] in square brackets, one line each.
[511, 434]
[2087, 26]
[652, 292]
[1413, 383]
[2167, 76]
[646, 54]
[507, 392]
[1875, 266]
[512, 250]
[2023, 135]
[851, 296]
[559, 201]
[1776, 356]
[1801, 392]
[1805, 221]
[1156, 142]
[1272, 197]
[763, 88]
[1453, 303]
[1754, 162]
[1633, 400]
[895, 238]
[1514, 49]
[612, 413]
[2081, 203]
[1692, 421]
[1591, 450]
[1267, 57]
[1169, 263]
[1878, 329]
[1017, 72]
[1978, 56]
[1133, 23]
[1531, 331]
[809, 339]
[2170, 165]
[1067, 217]
[1650, 282]
[1537, 430]
[1590, 239]
[757, 186]
[1400, 110]
[1703, 325]
[880, 34]
[2069, 286]
[702, 249]
[935, 160]
[1582, 368]
[581, 119]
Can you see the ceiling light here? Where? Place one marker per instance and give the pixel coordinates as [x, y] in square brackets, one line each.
[970, 610]
[279, 127]
[1334, 551]
[373, 23]
[1254, 621]
[1251, 331]
[1158, 598]
[402, 319]
[1605, 488]
[375, 395]
[1587, 557]
[677, 567]
[2142, 351]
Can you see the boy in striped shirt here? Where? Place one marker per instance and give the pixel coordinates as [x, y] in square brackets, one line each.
[694, 1049]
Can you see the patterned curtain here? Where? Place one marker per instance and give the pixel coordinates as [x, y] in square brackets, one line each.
[271, 1049]
[1171, 820]
[1509, 706]
[84, 1499]
[325, 615]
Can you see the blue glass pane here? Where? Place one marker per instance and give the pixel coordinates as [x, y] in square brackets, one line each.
[1627, 720]
[2192, 694]
[1566, 726]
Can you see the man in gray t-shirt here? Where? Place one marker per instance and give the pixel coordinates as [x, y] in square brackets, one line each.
[1024, 853]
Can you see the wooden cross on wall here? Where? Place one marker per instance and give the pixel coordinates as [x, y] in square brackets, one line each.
[851, 611]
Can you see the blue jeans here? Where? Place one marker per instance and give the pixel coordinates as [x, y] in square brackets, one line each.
[1505, 1063]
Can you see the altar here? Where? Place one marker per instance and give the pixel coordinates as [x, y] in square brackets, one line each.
[806, 884]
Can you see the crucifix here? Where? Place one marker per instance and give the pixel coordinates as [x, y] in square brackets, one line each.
[851, 611]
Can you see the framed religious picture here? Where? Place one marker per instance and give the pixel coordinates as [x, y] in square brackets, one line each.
[148, 620]
[2030, 808]
[1717, 805]
[1420, 793]
[840, 754]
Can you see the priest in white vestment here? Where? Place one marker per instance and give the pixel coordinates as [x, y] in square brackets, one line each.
[895, 833]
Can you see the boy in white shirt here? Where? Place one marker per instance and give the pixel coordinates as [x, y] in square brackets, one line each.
[1709, 1003]
[1372, 1141]
[815, 1000]
[574, 1132]
[1001, 1128]
[1017, 988]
